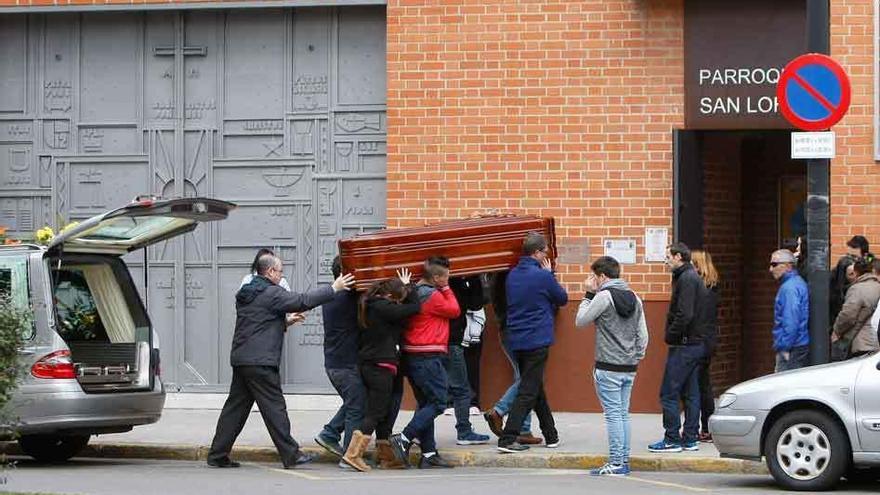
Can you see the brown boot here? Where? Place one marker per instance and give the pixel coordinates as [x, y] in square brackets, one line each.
[495, 421]
[354, 456]
[385, 456]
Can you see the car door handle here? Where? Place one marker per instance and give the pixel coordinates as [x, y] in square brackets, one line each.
[872, 424]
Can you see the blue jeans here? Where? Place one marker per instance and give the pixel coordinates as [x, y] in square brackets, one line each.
[505, 403]
[799, 357]
[614, 390]
[427, 375]
[459, 388]
[681, 381]
[349, 386]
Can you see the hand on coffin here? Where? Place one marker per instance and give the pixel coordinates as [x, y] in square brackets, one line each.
[404, 275]
[294, 318]
[344, 282]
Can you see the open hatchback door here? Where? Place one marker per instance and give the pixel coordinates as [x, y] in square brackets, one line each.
[139, 224]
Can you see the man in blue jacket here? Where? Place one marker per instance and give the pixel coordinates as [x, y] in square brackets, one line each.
[533, 295]
[791, 313]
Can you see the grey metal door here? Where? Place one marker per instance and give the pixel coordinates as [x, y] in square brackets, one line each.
[280, 111]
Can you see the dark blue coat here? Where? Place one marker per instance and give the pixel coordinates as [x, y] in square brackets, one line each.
[533, 294]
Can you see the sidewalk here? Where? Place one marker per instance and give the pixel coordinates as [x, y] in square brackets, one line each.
[187, 427]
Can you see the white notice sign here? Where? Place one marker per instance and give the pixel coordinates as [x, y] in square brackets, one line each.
[656, 240]
[807, 145]
[623, 250]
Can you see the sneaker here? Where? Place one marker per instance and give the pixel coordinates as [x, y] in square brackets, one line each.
[435, 461]
[302, 458]
[472, 438]
[401, 448]
[331, 446]
[449, 411]
[512, 448]
[495, 421]
[475, 411]
[663, 447]
[611, 470]
[552, 443]
[691, 446]
[706, 437]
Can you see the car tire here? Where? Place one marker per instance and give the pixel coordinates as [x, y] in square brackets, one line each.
[807, 451]
[52, 448]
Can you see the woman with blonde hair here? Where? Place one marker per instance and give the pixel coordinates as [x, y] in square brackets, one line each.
[702, 262]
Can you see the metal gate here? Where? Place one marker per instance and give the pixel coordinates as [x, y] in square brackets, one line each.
[280, 111]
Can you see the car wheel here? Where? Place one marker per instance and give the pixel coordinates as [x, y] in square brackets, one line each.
[807, 450]
[52, 448]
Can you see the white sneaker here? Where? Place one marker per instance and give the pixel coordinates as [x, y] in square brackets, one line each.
[475, 411]
[449, 411]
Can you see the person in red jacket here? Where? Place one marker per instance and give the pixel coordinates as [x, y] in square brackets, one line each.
[424, 344]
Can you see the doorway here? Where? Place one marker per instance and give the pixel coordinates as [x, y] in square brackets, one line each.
[740, 196]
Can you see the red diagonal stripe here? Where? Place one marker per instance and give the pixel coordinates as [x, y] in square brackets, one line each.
[815, 94]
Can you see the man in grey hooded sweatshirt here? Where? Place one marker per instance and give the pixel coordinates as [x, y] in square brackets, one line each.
[621, 340]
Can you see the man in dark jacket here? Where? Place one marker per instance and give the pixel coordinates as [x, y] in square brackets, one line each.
[469, 295]
[686, 326]
[261, 307]
[533, 296]
[341, 364]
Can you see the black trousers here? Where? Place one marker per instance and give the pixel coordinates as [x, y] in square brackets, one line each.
[384, 391]
[472, 354]
[530, 397]
[707, 395]
[263, 385]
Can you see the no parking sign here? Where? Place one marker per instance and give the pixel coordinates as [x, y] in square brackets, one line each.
[813, 92]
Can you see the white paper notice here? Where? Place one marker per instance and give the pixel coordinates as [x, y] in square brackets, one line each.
[623, 250]
[655, 243]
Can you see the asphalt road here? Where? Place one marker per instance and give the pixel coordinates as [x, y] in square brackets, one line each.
[102, 476]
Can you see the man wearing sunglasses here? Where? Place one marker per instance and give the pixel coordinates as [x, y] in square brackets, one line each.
[791, 313]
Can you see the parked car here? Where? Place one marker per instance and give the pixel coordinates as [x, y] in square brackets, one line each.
[812, 425]
[91, 358]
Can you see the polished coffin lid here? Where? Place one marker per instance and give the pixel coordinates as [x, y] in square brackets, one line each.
[473, 246]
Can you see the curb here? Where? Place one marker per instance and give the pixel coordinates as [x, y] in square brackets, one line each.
[466, 458]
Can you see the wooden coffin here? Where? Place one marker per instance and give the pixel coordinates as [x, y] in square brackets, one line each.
[479, 245]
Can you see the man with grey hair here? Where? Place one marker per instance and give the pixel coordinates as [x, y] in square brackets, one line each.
[261, 307]
[533, 296]
[791, 313]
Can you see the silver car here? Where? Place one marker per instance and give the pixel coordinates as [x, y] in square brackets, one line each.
[91, 360]
[812, 425]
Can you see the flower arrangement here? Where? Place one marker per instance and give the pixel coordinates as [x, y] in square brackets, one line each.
[45, 235]
[5, 240]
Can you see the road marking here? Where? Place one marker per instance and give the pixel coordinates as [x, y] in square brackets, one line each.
[377, 475]
[298, 474]
[665, 484]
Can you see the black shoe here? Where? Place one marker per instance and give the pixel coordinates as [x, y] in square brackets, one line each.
[401, 448]
[512, 448]
[302, 458]
[435, 461]
[224, 463]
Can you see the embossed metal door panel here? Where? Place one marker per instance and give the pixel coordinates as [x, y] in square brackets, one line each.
[279, 110]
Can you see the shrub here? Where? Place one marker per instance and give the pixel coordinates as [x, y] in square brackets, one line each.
[15, 322]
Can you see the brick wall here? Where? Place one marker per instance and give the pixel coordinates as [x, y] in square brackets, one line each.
[561, 108]
[854, 175]
[722, 238]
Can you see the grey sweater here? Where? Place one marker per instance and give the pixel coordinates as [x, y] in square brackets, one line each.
[621, 330]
